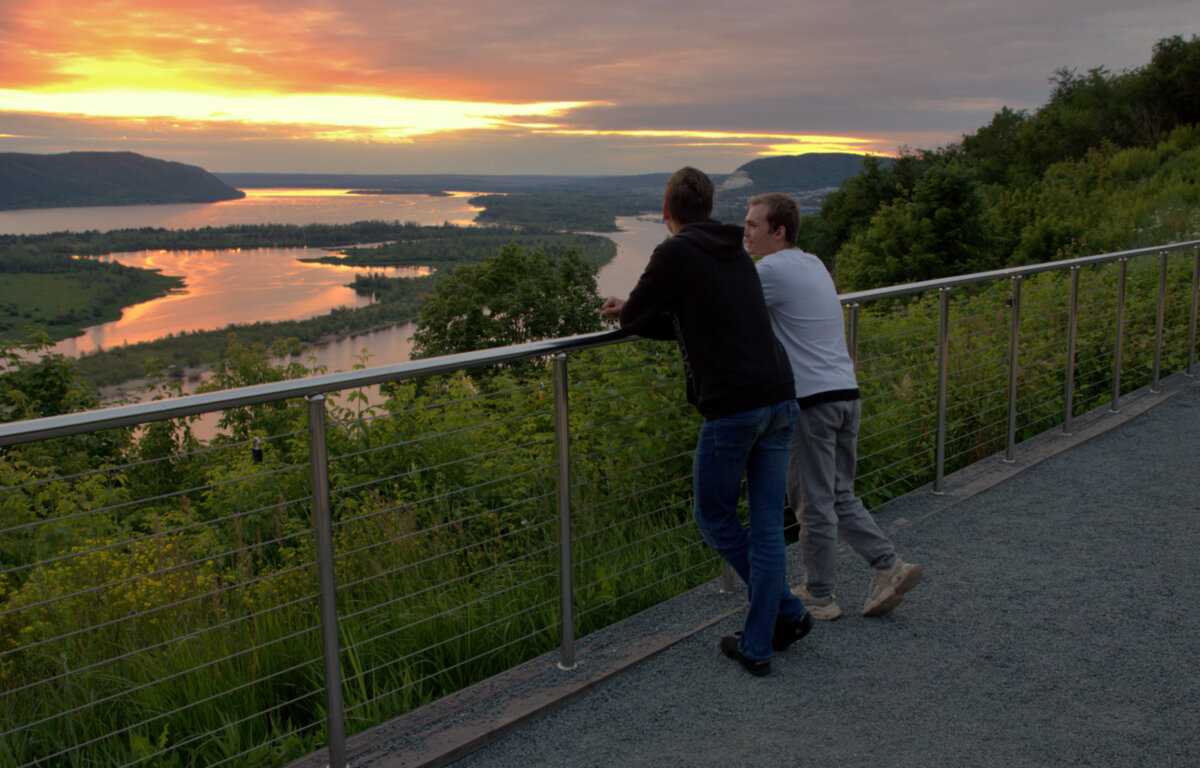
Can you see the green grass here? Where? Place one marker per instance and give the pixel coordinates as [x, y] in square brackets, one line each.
[65, 304]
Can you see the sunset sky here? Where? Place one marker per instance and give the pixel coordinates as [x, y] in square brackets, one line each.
[540, 86]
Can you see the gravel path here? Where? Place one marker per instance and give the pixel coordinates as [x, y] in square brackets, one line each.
[1056, 625]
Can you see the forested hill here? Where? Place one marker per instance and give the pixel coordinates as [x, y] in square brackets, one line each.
[797, 173]
[434, 183]
[103, 178]
[1110, 162]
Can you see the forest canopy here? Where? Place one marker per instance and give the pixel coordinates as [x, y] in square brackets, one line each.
[1111, 161]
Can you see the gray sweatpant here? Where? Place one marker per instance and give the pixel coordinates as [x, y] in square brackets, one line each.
[820, 489]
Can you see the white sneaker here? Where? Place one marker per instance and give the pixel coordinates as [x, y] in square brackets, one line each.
[888, 586]
[821, 608]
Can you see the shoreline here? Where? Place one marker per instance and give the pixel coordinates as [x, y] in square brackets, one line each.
[174, 354]
[113, 394]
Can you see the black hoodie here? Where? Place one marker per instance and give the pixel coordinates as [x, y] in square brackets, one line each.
[701, 289]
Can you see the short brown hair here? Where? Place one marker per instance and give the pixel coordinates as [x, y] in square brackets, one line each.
[782, 211]
[688, 196]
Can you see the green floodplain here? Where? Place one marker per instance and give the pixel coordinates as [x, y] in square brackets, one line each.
[1111, 161]
[69, 293]
[65, 303]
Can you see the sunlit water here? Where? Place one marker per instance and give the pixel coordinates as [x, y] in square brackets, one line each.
[270, 284]
[260, 206]
[635, 242]
[224, 287]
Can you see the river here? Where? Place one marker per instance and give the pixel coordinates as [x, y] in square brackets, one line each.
[259, 206]
[271, 284]
[224, 287]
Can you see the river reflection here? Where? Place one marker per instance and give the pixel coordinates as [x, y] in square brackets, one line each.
[635, 242]
[260, 206]
[226, 287]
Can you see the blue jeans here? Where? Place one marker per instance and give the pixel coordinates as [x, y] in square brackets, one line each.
[755, 444]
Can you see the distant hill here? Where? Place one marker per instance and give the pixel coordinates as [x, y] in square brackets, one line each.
[434, 183]
[78, 179]
[795, 173]
[787, 173]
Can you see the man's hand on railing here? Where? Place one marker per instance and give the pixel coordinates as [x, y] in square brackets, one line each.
[612, 307]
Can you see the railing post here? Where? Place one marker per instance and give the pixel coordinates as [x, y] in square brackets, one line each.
[1159, 318]
[562, 443]
[728, 578]
[943, 376]
[1072, 340]
[323, 521]
[852, 336]
[1014, 351]
[1120, 335]
[1195, 311]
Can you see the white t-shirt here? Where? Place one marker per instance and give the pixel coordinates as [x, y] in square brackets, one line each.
[807, 319]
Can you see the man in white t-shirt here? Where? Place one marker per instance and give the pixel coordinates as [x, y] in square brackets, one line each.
[806, 316]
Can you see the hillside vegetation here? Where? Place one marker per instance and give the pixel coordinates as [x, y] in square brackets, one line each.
[103, 178]
[1111, 161]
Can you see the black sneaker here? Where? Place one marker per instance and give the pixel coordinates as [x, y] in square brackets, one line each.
[729, 647]
[786, 634]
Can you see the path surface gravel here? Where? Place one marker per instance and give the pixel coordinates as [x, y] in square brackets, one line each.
[1057, 624]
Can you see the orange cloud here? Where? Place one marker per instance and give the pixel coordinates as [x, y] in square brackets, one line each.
[480, 51]
[378, 117]
[176, 45]
[622, 79]
[762, 143]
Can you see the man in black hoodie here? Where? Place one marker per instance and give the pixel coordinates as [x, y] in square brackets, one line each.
[701, 289]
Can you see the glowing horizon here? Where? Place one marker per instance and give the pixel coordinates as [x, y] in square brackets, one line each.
[377, 116]
[345, 117]
[797, 144]
[485, 86]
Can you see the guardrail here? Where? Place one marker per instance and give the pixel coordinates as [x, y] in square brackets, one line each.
[332, 560]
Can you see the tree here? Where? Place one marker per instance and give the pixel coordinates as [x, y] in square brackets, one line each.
[939, 230]
[244, 365]
[848, 211]
[1173, 80]
[993, 149]
[512, 297]
[35, 383]
[48, 386]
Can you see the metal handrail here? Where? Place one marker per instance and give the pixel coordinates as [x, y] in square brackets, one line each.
[31, 430]
[315, 388]
[908, 289]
